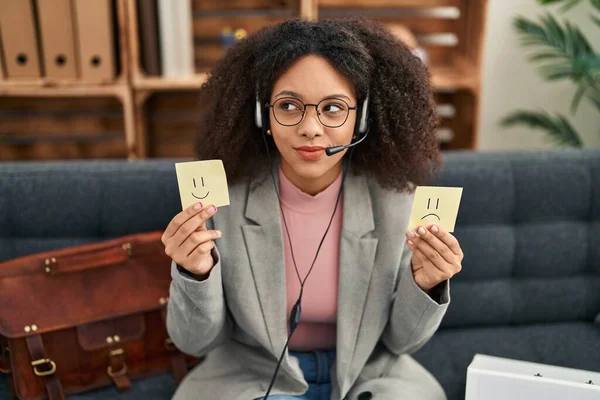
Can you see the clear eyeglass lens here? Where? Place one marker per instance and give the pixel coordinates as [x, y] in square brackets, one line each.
[331, 112]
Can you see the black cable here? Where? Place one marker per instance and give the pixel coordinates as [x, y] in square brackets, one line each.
[296, 310]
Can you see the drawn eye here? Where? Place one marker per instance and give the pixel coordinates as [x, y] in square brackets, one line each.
[437, 203]
[202, 179]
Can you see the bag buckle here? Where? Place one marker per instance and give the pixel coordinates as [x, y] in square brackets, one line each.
[121, 355]
[169, 345]
[51, 367]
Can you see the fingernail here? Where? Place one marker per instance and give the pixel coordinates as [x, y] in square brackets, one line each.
[434, 229]
[219, 233]
[212, 210]
[197, 206]
[421, 230]
[411, 234]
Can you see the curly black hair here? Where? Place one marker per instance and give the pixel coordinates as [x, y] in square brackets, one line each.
[401, 149]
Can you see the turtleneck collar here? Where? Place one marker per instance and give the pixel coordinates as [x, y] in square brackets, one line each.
[296, 200]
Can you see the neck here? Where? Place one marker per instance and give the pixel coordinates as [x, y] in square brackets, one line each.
[312, 186]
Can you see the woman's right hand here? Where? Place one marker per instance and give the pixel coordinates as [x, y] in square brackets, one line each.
[188, 242]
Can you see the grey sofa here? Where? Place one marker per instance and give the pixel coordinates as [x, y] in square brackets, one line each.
[529, 225]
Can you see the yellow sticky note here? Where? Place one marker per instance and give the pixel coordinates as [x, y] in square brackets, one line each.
[435, 205]
[202, 181]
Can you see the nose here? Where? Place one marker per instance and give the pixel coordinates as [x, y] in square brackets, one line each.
[310, 126]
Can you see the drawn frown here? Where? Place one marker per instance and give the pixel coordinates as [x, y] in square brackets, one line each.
[437, 204]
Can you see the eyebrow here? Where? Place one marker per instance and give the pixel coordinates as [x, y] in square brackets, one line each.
[294, 94]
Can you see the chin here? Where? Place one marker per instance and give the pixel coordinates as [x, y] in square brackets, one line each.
[308, 169]
[313, 170]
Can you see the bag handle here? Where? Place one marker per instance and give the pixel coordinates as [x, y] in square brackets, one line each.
[98, 257]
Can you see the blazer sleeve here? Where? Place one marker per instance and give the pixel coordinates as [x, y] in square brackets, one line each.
[414, 315]
[197, 316]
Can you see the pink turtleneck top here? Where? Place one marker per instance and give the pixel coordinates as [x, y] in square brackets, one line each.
[307, 218]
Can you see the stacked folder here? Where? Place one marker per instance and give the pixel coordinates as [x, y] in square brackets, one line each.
[61, 39]
[176, 38]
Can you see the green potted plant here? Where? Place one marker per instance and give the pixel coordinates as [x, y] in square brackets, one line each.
[563, 53]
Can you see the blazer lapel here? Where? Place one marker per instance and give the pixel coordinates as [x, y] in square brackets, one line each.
[357, 257]
[264, 243]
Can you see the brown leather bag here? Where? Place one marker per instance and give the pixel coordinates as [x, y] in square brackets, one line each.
[87, 316]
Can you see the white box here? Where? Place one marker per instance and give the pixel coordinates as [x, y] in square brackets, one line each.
[496, 378]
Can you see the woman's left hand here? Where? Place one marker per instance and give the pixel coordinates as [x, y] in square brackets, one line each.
[437, 256]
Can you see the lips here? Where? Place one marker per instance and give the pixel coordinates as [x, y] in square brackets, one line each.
[310, 153]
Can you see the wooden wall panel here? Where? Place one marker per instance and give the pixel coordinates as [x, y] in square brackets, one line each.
[172, 124]
[217, 6]
[210, 18]
[388, 3]
[63, 128]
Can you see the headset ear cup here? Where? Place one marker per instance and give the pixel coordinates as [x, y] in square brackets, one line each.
[258, 115]
[364, 116]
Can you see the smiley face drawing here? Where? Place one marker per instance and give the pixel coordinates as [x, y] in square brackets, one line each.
[437, 205]
[202, 181]
[195, 187]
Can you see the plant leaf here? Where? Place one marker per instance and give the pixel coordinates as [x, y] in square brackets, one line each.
[570, 3]
[566, 42]
[595, 99]
[543, 56]
[554, 73]
[558, 128]
[577, 97]
[595, 4]
[567, 50]
[595, 19]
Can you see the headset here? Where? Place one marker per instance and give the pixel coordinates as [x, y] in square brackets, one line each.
[361, 130]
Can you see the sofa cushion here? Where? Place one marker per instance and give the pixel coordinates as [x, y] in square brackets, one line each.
[528, 224]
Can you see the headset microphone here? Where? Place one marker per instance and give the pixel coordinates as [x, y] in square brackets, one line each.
[336, 149]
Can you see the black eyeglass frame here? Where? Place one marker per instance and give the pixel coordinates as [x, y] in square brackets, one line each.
[271, 106]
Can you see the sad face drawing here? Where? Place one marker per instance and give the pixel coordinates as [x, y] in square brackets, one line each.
[432, 215]
[435, 205]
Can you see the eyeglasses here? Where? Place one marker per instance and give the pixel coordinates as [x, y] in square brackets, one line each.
[290, 111]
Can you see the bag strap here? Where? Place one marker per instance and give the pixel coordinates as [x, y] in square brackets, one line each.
[117, 369]
[4, 359]
[179, 366]
[44, 367]
[103, 255]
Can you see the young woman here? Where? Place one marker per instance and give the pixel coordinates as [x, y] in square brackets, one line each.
[313, 245]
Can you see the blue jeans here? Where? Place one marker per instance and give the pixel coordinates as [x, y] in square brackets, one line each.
[315, 366]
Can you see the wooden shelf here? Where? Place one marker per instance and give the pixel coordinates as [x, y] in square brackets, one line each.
[159, 83]
[44, 89]
[450, 77]
[460, 75]
[388, 3]
[454, 68]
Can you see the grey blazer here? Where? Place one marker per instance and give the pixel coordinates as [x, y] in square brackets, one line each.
[238, 315]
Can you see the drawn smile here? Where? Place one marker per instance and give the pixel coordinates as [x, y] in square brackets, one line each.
[435, 215]
[195, 187]
[200, 197]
